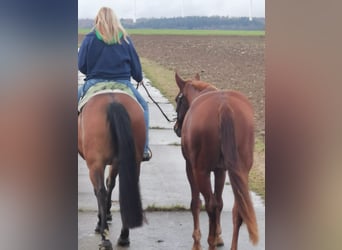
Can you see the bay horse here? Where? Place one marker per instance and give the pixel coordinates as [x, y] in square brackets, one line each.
[111, 131]
[217, 135]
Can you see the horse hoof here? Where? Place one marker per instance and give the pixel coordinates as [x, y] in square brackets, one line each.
[105, 245]
[196, 247]
[97, 229]
[124, 242]
[219, 242]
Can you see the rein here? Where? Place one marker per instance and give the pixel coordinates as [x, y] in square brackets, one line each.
[167, 118]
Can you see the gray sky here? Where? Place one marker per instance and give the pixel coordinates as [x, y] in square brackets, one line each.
[173, 8]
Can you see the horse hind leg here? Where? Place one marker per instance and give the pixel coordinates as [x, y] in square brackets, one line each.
[195, 207]
[220, 177]
[96, 173]
[124, 238]
[243, 210]
[237, 222]
[210, 205]
[110, 184]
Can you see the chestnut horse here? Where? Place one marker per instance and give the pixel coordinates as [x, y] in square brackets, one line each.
[111, 131]
[217, 135]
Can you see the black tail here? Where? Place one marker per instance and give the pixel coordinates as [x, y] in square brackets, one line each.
[238, 181]
[122, 138]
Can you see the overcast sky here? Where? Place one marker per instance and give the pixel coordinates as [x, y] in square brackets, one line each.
[173, 8]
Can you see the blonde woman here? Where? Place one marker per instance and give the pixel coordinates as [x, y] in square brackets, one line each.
[107, 54]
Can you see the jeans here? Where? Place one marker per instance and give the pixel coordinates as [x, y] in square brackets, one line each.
[83, 89]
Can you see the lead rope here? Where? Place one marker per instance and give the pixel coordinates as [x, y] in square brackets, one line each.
[148, 93]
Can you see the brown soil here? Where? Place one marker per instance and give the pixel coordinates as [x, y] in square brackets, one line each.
[228, 62]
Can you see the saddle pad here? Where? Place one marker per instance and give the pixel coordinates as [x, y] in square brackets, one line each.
[104, 87]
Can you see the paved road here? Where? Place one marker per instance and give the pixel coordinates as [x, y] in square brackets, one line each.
[163, 184]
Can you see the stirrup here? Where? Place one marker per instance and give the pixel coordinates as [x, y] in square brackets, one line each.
[147, 155]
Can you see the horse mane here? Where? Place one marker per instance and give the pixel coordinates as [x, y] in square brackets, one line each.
[200, 86]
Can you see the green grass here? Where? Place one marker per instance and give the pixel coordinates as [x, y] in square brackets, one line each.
[189, 32]
[259, 145]
[83, 31]
[173, 208]
[257, 182]
[154, 208]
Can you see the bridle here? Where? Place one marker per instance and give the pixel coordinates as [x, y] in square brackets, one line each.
[181, 101]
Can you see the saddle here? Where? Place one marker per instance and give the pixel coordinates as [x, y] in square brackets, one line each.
[102, 88]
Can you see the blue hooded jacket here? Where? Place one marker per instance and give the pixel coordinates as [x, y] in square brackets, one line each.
[98, 60]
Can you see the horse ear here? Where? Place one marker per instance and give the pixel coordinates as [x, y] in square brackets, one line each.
[180, 82]
[197, 77]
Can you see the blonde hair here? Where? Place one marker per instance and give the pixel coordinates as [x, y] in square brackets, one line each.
[109, 26]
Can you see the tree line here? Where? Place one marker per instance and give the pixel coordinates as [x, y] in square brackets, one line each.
[189, 22]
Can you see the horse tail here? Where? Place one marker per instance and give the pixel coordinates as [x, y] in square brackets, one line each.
[129, 193]
[238, 180]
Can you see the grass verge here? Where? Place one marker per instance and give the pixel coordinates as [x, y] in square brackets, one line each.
[154, 208]
[257, 173]
[174, 208]
[161, 78]
[164, 80]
